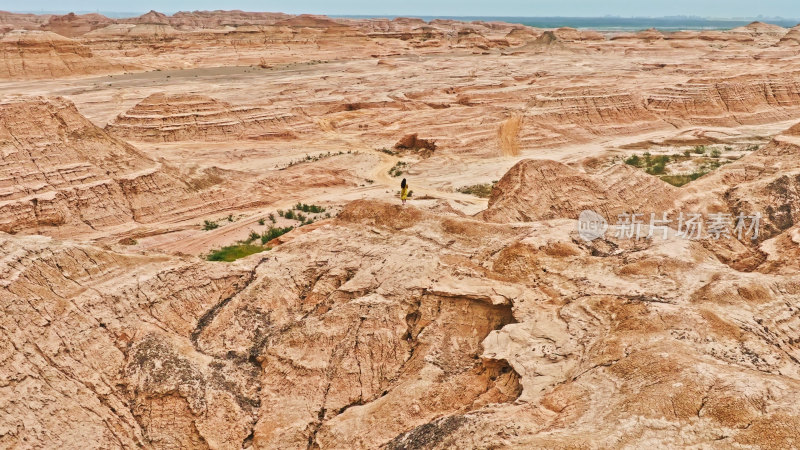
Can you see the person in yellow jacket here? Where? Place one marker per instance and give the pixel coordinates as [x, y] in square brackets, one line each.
[403, 191]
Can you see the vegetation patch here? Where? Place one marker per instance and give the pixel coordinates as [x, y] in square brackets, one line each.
[234, 252]
[684, 167]
[271, 234]
[309, 208]
[482, 190]
[680, 180]
[398, 168]
[310, 158]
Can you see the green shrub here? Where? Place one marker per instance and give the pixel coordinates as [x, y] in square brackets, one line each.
[657, 168]
[210, 225]
[280, 212]
[715, 153]
[301, 217]
[634, 160]
[289, 214]
[271, 219]
[261, 221]
[699, 149]
[687, 153]
[230, 217]
[234, 252]
[253, 236]
[272, 233]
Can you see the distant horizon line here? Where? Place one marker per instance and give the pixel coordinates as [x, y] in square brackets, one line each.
[448, 16]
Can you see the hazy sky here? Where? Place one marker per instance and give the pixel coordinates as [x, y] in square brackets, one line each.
[574, 8]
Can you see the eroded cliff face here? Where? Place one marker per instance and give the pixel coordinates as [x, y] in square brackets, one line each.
[284, 348]
[60, 169]
[393, 326]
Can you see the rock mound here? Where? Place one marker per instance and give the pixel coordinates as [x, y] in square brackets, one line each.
[174, 117]
[73, 25]
[761, 30]
[535, 190]
[791, 38]
[425, 147]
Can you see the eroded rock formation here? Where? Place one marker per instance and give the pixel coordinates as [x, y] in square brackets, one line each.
[162, 118]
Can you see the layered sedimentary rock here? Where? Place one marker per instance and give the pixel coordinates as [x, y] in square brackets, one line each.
[60, 169]
[417, 326]
[163, 118]
[580, 113]
[40, 54]
[745, 100]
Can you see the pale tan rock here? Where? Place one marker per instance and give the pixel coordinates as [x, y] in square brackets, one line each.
[451, 322]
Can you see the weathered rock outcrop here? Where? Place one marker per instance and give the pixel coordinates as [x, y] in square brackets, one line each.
[72, 25]
[164, 118]
[60, 169]
[44, 54]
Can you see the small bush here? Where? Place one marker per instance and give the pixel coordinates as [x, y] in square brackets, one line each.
[687, 153]
[210, 225]
[261, 221]
[715, 153]
[271, 218]
[230, 217]
[301, 217]
[289, 214]
[700, 149]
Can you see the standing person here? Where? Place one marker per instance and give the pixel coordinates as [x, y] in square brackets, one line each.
[403, 191]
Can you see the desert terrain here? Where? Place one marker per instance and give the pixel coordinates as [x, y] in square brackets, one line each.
[204, 246]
